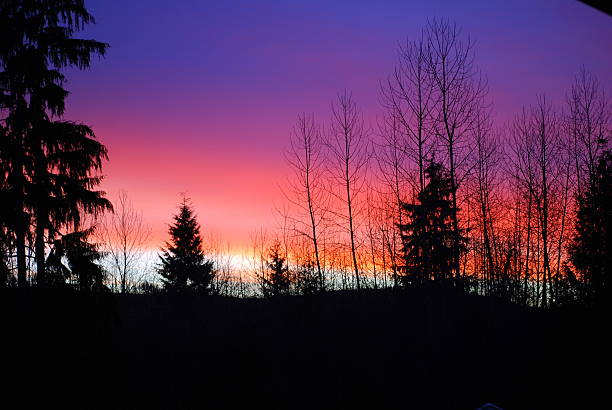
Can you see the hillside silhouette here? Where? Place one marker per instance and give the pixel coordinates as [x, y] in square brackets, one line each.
[422, 348]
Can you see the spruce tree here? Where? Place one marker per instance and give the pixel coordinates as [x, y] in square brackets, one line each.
[430, 241]
[183, 265]
[591, 249]
[277, 281]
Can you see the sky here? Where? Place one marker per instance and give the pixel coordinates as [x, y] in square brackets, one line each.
[199, 97]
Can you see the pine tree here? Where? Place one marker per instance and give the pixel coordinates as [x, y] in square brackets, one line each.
[183, 265]
[591, 250]
[430, 241]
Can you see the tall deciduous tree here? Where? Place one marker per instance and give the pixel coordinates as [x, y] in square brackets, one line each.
[409, 99]
[394, 173]
[458, 92]
[183, 264]
[487, 156]
[306, 188]
[349, 154]
[589, 113]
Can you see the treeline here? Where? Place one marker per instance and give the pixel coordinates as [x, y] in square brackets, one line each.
[435, 192]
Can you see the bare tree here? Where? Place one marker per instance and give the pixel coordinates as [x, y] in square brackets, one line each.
[225, 281]
[546, 134]
[487, 156]
[588, 120]
[522, 167]
[396, 189]
[306, 191]
[538, 162]
[458, 92]
[408, 96]
[371, 233]
[124, 235]
[348, 146]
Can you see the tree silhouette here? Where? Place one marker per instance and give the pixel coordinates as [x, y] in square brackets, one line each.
[4, 257]
[305, 157]
[459, 91]
[124, 234]
[277, 281]
[588, 109]
[306, 280]
[348, 149]
[82, 261]
[6, 239]
[183, 264]
[52, 162]
[407, 96]
[591, 250]
[430, 240]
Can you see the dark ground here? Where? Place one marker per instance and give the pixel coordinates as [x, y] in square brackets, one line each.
[424, 348]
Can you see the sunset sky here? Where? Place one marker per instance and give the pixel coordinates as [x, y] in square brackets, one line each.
[200, 97]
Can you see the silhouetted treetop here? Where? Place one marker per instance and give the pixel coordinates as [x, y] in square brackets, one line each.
[183, 263]
[430, 242]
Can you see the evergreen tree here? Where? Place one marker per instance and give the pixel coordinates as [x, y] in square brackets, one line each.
[591, 250]
[82, 259]
[306, 278]
[277, 281]
[183, 265]
[51, 162]
[430, 241]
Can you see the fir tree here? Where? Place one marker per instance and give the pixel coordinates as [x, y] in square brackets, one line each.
[183, 264]
[277, 281]
[591, 250]
[430, 242]
[51, 164]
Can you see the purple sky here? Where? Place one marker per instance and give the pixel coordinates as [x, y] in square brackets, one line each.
[200, 96]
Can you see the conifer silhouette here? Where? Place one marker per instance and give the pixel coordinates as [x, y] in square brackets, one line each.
[278, 281]
[429, 237]
[591, 250]
[51, 163]
[82, 259]
[183, 264]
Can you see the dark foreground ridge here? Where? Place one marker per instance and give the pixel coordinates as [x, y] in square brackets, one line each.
[421, 348]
